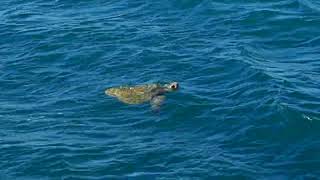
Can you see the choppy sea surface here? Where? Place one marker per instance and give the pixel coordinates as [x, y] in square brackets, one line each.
[248, 106]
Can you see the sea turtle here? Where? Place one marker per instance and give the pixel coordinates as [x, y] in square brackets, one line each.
[153, 93]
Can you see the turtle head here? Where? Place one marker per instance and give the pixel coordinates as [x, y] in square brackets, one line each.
[173, 86]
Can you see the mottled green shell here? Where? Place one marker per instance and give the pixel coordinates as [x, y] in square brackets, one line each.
[135, 94]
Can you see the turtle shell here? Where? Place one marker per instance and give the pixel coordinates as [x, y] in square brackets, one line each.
[135, 94]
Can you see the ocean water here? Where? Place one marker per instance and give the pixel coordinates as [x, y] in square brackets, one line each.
[248, 106]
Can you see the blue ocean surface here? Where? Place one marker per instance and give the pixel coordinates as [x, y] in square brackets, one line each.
[248, 106]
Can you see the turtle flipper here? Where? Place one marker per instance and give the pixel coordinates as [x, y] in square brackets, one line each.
[156, 102]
